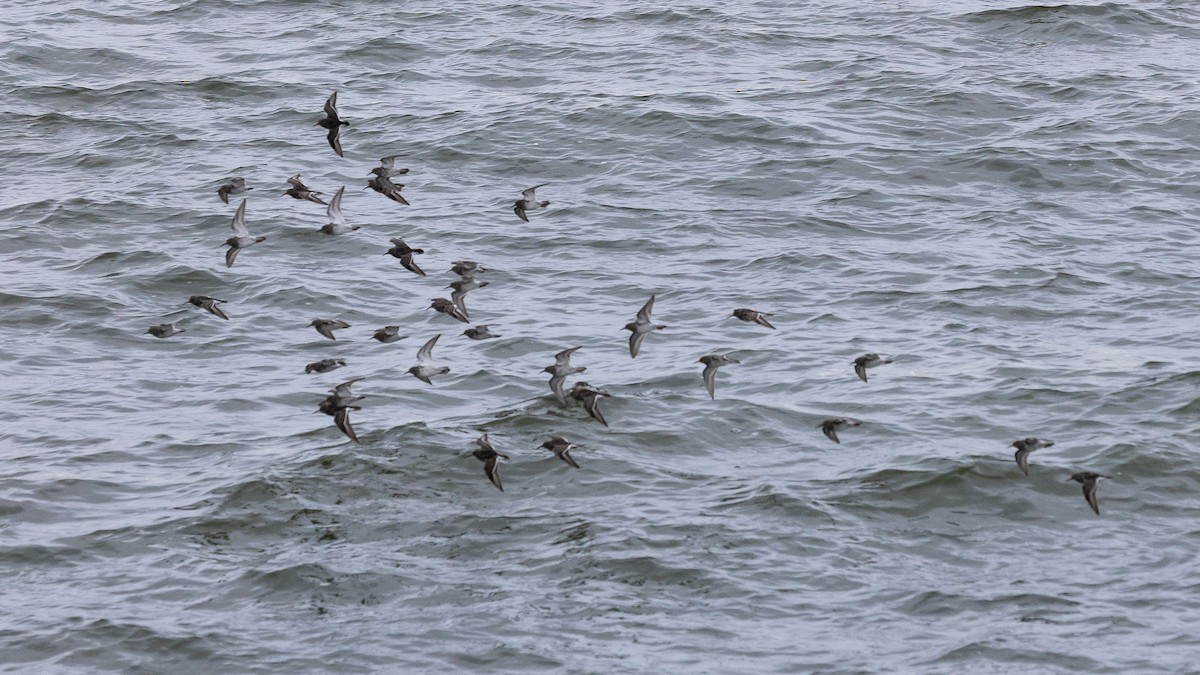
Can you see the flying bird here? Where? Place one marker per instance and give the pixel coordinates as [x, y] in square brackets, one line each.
[338, 404]
[830, 426]
[752, 316]
[490, 458]
[241, 236]
[404, 253]
[1089, 480]
[561, 449]
[210, 305]
[323, 366]
[461, 288]
[867, 361]
[337, 222]
[711, 363]
[384, 186]
[467, 268]
[235, 186]
[387, 167]
[300, 191]
[333, 123]
[641, 327]
[529, 202]
[425, 368]
[560, 370]
[164, 330]
[449, 309]
[388, 334]
[327, 326]
[480, 332]
[590, 398]
[1025, 446]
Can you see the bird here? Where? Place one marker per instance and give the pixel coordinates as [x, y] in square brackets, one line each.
[333, 123]
[867, 361]
[241, 236]
[560, 370]
[425, 368]
[324, 366]
[1089, 480]
[210, 305]
[1025, 446]
[752, 316]
[384, 186]
[405, 253]
[641, 327]
[528, 202]
[387, 167]
[164, 330]
[490, 458]
[449, 309]
[480, 332]
[561, 449]
[388, 334]
[461, 288]
[467, 268]
[235, 186]
[327, 326]
[300, 191]
[711, 363]
[337, 222]
[830, 426]
[590, 398]
[339, 403]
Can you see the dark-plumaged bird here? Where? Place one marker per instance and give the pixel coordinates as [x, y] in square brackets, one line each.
[425, 368]
[384, 186]
[590, 398]
[235, 186]
[449, 309]
[1025, 446]
[404, 253]
[711, 363]
[324, 366]
[752, 316]
[1089, 480]
[300, 191]
[333, 123]
[867, 361]
[164, 330]
[241, 236]
[830, 426]
[560, 370]
[387, 167]
[490, 458]
[480, 332]
[210, 305]
[561, 449]
[327, 326]
[388, 334]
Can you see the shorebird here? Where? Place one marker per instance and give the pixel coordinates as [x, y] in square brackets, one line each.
[384, 186]
[867, 361]
[333, 123]
[300, 191]
[711, 363]
[164, 330]
[210, 305]
[449, 309]
[337, 222]
[752, 316]
[641, 327]
[387, 167]
[467, 268]
[235, 186]
[560, 370]
[830, 426]
[327, 326]
[338, 404]
[425, 368]
[404, 253]
[1025, 446]
[528, 202]
[590, 398]
[561, 449]
[241, 236]
[323, 366]
[461, 288]
[480, 332]
[1089, 480]
[388, 334]
[490, 458]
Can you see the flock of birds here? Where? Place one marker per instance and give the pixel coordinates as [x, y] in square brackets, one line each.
[341, 399]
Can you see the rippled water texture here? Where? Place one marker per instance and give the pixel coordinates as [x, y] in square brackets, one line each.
[1002, 197]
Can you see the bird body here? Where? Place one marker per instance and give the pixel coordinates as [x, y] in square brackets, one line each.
[752, 316]
[334, 123]
[300, 191]
[1025, 446]
[641, 327]
[327, 326]
[241, 236]
[235, 186]
[449, 309]
[404, 253]
[711, 363]
[561, 449]
[830, 426]
[867, 361]
[490, 458]
[424, 370]
[210, 305]
[1089, 480]
[529, 202]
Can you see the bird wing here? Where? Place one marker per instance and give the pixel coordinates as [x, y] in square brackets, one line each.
[239, 221]
[231, 255]
[761, 320]
[556, 386]
[643, 315]
[295, 182]
[592, 405]
[861, 371]
[563, 358]
[211, 305]
[425, 353]
[519, 209]
[409, 264]
[491, 469]
[341, 419]
[335, 140]
[331, 106]
[529, 193]
[335, 208]
[710, 379]
[565, 456]
[1089, 493]
[635, 343]
[830, 432]
[1022, 457]
[388, 162]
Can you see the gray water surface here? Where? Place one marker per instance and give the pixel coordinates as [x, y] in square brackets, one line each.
[1000, 196]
